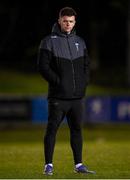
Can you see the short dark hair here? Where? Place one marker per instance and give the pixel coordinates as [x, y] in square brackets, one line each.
[67, 11]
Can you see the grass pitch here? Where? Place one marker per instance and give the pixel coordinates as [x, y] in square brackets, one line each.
[13, 82]
[106, 150]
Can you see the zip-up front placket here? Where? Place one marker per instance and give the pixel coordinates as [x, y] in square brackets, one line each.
[73, 71]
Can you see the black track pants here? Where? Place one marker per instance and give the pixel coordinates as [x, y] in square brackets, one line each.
[74, 112]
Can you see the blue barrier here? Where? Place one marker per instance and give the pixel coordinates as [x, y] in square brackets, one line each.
[99, 109]
[39, 110]
[108, 109]
[120, 109]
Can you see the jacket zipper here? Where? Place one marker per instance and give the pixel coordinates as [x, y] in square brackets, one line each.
[73, 71]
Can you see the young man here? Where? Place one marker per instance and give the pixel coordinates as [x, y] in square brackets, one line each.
[63, 62]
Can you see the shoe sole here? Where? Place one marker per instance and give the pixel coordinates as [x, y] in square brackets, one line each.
[48, 174]
[88, 172]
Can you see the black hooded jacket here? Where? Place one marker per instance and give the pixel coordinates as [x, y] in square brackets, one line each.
[64, 63]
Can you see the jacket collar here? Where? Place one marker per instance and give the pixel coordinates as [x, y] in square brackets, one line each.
[57, 31]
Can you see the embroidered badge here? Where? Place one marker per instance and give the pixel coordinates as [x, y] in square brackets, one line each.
[77, 46]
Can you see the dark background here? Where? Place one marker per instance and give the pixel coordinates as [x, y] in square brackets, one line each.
[103, 25]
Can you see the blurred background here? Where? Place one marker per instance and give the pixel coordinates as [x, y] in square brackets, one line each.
[105, 26]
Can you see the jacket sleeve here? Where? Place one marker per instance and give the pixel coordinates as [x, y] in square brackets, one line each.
[43, 63]
[87, 65]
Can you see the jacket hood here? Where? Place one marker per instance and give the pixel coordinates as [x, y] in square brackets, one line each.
[56, 30]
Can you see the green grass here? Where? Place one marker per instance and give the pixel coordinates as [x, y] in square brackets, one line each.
[21, 83]
[34, 84]
[106, 150]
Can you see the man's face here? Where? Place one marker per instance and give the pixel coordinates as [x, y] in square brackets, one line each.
[67, 23]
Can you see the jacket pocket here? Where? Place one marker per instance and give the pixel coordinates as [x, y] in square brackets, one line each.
[81, 84]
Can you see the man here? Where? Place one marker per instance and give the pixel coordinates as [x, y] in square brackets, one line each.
[63, 62]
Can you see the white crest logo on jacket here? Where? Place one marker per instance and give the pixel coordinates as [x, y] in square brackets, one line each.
[77, 46]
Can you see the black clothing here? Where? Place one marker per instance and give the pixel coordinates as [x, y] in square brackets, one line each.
[63, 61]
[74, 111]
